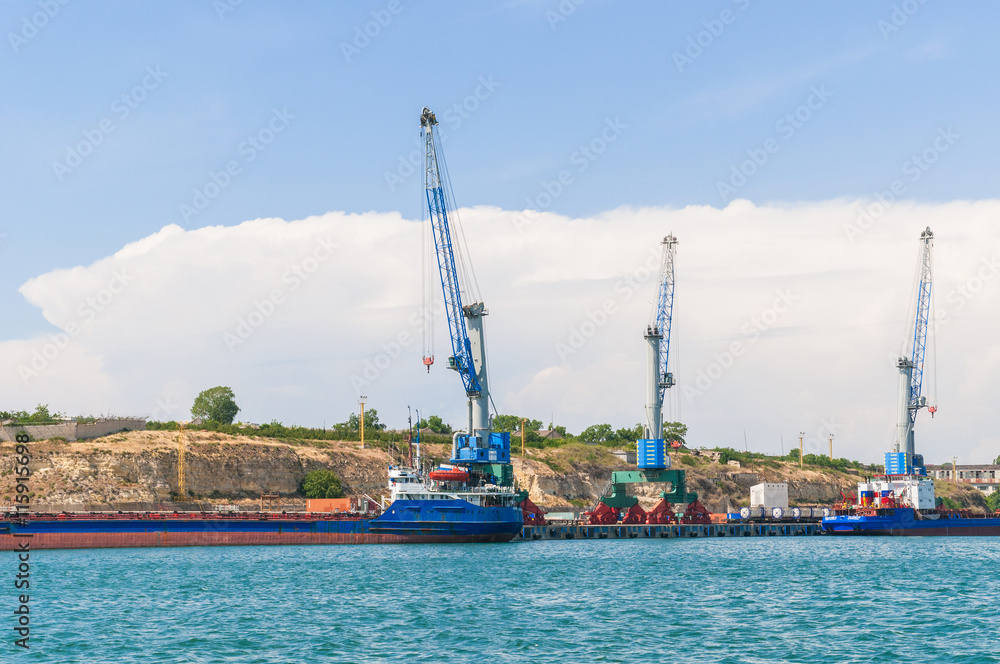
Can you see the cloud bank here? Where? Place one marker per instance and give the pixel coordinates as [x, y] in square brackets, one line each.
[788, 319]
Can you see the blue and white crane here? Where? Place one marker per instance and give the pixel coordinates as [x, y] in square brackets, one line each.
[652, 450]
[477, 444]
[911, 371]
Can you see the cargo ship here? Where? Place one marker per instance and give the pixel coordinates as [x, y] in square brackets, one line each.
[902, 500]
[904, 505]
[446, 504]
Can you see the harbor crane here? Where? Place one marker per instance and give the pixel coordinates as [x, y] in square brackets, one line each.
[477, 444]
[652, 456]
[658, 339]
[903, 460]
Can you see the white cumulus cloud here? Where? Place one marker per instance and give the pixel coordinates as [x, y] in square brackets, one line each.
[787, 319]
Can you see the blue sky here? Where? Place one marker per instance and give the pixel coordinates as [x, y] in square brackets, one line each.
[558, 82]
[641, 104]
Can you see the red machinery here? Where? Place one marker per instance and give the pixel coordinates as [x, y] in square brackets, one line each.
[603, 516]
[533, 514]
[845, 502]
[635, 514]
[696, 513]
[662, 513]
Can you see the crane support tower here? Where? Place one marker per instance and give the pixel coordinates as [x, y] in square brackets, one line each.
[903, 460]
[477, 444]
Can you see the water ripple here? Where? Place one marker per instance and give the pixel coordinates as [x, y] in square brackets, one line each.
[746, 601]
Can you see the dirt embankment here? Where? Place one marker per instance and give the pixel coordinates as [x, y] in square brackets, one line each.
[138, 470]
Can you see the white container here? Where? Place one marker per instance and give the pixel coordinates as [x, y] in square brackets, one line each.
[752, 512]
[769, 495]
[796, 512]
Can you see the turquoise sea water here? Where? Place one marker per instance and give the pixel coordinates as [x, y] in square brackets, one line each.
[759, 600]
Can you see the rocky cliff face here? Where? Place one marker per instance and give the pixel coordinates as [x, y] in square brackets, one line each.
[138, 470]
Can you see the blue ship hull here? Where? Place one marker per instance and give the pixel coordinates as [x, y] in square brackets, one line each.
[906, 521]
[404, 521]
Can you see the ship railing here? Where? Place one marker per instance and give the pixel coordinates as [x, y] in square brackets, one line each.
[475, 489]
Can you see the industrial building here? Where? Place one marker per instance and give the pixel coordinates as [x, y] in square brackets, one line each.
[985, 477]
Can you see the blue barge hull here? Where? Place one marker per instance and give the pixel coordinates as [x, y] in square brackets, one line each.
[905, 521]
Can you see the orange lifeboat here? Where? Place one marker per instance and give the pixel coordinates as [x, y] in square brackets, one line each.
[449, 475]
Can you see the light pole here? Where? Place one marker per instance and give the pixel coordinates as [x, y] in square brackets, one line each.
[362, 423]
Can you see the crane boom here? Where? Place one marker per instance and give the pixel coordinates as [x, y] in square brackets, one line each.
[665, 311]
[920, 325]
[437, 206]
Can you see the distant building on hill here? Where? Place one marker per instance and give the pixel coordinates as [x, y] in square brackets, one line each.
[544, 434]
[72, 430]
[626, 456]
[985, 477]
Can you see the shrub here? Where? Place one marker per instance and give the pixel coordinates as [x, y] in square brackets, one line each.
[322, 484]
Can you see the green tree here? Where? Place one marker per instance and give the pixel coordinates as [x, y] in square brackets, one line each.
[371, 421]
[675, 431]
[436, 425]
[996, 462]
[993, 500]
[217, 404]
[513, 423]
[322, 484]
[628, 434]
[506, 423]
[41, 415]
[597, 433]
